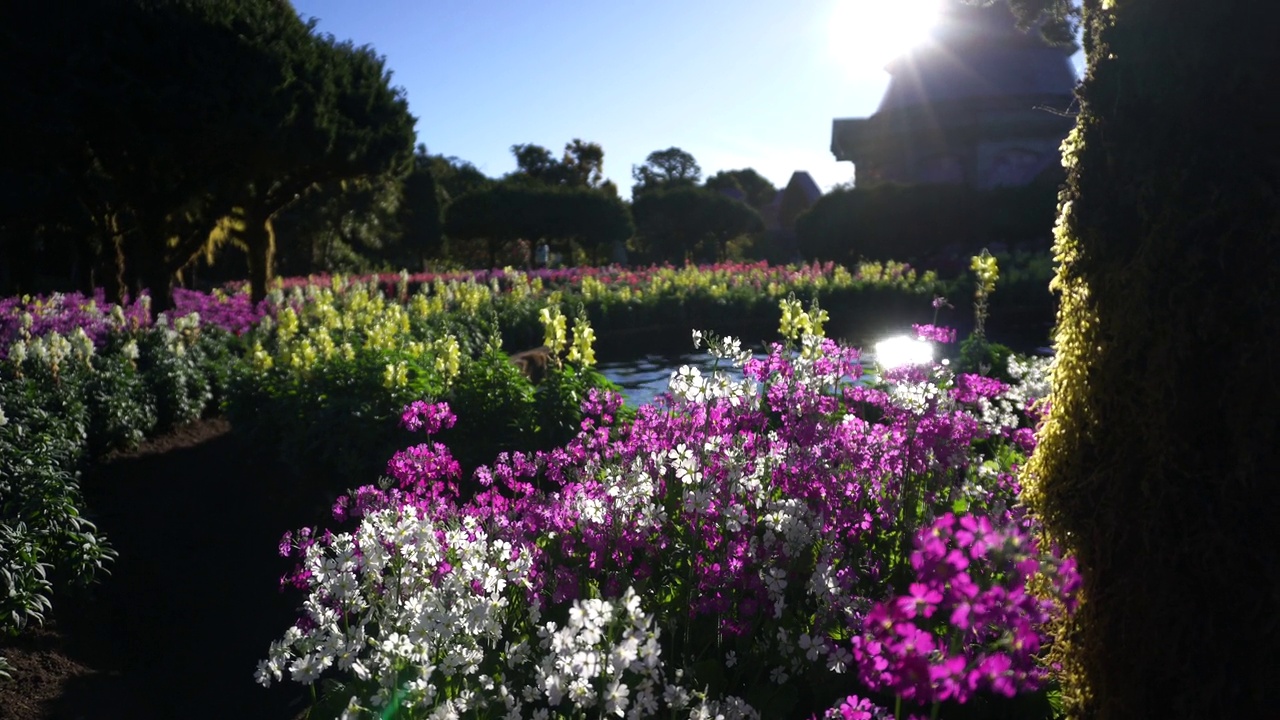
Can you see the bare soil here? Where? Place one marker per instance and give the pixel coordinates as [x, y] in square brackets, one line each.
[192, 603]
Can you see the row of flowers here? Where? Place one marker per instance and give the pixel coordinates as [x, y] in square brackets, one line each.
[799, 537]
[319, 359]
[513, 297]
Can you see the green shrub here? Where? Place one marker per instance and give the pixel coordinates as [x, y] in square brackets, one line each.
[122, 410]
[170, 361]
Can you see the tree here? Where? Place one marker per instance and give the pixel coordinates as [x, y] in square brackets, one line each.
[456, 177]
[146, 106]
[667, 169]
[174, 115]
[582, 165]
[673, 223]
[345, 226]
[756, 190]
[536, 164]
[506, 212]
[339, 120]
[489, 216]
[1155, 463]
[422, 212]
[591, 219]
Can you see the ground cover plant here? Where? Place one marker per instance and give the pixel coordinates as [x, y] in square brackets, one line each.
[810, 539]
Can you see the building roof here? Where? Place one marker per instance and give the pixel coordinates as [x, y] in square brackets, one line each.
[977, 52]
[806, 185]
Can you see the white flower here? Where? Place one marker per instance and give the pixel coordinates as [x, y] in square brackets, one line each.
[615, 698]
[838, 659]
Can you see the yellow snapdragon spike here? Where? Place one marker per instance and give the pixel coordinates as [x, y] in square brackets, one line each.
[448, 357]
[554, 331]
[395, 375]
[286, 324]
[987, 270]
[817, 319]
[583, 348]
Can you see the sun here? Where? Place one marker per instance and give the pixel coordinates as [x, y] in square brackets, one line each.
[865, 35]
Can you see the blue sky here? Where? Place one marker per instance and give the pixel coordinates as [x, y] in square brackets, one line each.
[749, 83]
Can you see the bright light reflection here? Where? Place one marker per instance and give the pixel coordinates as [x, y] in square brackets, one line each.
[903, 350]
[866, 34]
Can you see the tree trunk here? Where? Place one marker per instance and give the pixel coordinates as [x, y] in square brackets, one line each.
[152, 273]
[259, 236]
[1156, 465]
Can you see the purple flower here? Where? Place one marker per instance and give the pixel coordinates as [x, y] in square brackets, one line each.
[921, 600]
[430, 418]
[935, 333]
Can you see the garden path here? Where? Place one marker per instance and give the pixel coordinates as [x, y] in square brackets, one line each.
[191, 605]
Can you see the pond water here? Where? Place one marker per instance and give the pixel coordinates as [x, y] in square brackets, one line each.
[645, 378]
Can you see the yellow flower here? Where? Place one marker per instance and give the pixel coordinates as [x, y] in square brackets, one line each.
[553, 324]
[583, 350]
[448, 357]
[987, 271]
[260, 360]
[286, 324]
[395, 375]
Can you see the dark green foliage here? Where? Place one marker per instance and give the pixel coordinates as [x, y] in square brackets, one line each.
[1155, 466]
[558, 403]
[673, 225]
[910, 223]
[151, 120]
[495, 406]
[981, 356]
[665, 170]
[561, 216]
[46, 543]
[421, 214]
[338, 425]
[122, 409]
[756, 190]
[171, 367]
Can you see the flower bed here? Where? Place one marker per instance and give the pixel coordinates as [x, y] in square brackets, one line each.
[315, 372]
[808, 538]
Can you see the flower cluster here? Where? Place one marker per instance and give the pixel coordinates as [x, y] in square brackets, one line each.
[967, 623]
[429, 418]
[944, 335]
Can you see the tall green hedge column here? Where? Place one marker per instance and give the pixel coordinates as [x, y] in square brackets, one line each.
[1159, 464]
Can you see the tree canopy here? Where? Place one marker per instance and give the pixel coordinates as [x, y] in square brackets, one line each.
[674, 224]
[581, 166]
[176, 114]
[665, 169]
[558, 216]
[755, 189]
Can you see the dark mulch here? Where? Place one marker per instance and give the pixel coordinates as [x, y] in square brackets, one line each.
[192, 604]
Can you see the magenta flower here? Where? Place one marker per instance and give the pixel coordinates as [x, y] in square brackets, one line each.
[430, 418]
[920, 599]
[935, 333]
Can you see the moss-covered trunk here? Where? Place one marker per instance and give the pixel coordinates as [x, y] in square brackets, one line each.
[1158, 465]
[260, 239]
[146, 266]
